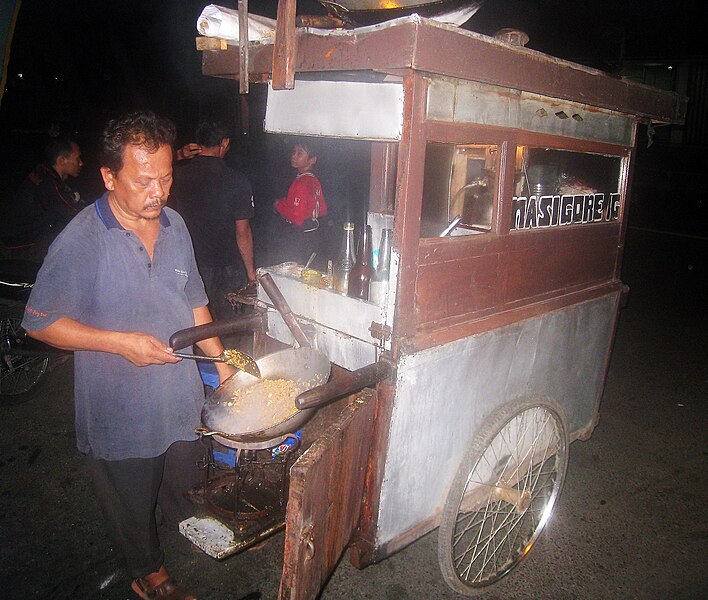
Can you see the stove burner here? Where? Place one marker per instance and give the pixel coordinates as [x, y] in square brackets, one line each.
[249, 498]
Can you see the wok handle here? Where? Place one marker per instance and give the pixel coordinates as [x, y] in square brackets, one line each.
[283, 308]
[344, 384]
[186, 337]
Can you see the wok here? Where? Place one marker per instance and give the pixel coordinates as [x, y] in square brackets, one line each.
[307, 367]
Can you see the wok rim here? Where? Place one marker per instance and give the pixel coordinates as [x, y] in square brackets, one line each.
[277, 429]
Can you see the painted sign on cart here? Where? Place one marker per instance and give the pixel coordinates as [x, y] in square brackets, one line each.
[555, 211]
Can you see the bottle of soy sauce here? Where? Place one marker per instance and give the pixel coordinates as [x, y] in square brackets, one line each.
[360, 275]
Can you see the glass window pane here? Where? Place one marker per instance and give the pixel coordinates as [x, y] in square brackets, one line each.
[559, 187]
[460, 180]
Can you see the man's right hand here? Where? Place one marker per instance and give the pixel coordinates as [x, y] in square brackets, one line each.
[143, 349]
[139, 348]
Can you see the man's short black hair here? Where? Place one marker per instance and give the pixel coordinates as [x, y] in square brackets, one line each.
[210, 132]
[60, 145]
[139, 128]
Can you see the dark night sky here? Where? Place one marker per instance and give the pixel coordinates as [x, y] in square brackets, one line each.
[82, 59]
[110, 54]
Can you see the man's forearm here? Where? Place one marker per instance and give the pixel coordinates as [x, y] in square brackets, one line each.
[210, 346]
[139, 348]
[68, 334]
[244, 241]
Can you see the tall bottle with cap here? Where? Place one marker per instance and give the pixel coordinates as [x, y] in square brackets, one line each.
[360, 277]
[378, 288]
[345, 261]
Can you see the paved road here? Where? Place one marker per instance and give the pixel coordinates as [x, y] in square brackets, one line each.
[631, 522]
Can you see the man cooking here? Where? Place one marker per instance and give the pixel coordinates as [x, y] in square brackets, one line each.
[116, 283]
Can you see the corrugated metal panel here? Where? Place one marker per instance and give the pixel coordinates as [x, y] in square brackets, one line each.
[472, 102]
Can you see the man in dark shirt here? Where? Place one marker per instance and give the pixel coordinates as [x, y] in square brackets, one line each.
[116, 283]
[216, 202]
[44, 202]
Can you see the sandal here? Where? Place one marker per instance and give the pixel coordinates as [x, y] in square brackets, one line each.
[169, 589]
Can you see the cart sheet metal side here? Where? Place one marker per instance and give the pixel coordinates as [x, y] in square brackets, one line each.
[445, 393]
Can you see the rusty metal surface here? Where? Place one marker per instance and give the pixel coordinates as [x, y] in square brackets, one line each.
[427, 46]
[484, 104]
[444, 393]
[472, 56]
[326, 486]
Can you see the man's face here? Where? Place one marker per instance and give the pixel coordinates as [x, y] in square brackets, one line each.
[141, 187]
[70, 165]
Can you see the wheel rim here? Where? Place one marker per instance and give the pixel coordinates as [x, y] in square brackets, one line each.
[18, 373]
[509, 496]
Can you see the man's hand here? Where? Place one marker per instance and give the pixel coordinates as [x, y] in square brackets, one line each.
[188, 151]
[143, 349]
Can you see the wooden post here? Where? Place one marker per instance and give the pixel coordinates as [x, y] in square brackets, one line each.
[285, 48]
[243, 46]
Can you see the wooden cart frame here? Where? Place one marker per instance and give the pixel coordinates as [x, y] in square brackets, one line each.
[475, 323]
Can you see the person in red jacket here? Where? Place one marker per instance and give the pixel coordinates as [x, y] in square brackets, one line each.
[302, 208]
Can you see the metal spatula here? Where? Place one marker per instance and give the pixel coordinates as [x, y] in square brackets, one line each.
[230, 356]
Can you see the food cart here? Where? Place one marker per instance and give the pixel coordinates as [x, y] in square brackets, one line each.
[496, 337]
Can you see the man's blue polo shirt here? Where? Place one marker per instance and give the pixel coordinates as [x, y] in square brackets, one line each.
[99, 274]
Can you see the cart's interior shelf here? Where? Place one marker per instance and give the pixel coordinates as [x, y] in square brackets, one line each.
[337, 325]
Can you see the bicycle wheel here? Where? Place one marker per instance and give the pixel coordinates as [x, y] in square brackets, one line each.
[18, 373]
[502, 495]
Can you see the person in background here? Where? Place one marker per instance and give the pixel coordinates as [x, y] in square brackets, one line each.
[216, 203]
[44, 202]
[300, 211]
[116, 283]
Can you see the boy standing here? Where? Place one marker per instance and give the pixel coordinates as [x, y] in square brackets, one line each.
[302, 207]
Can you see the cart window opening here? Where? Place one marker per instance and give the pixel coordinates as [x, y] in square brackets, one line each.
[559, 187]
[460, 180]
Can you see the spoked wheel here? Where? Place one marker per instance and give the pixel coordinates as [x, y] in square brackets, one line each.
[502, 495]
[18, 373]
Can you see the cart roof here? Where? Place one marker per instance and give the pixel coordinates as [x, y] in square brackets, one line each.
[430, 46]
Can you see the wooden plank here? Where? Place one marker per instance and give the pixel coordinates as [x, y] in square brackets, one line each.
[285, 48]
[458, 281]
[583, 256]
[443, 332]
[363, 549]
[466, 279]
[210, 43]
[243, 46]
[409, 186]
[458, 287]
[326, 485]
[449, 51]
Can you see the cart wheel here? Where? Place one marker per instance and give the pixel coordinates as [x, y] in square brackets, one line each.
[502, 495]
[18, 374]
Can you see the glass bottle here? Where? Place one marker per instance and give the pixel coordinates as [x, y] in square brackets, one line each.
[345, 261]
[378, 288]
[360, 275]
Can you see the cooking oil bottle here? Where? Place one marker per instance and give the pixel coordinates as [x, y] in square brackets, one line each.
[345, 261]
